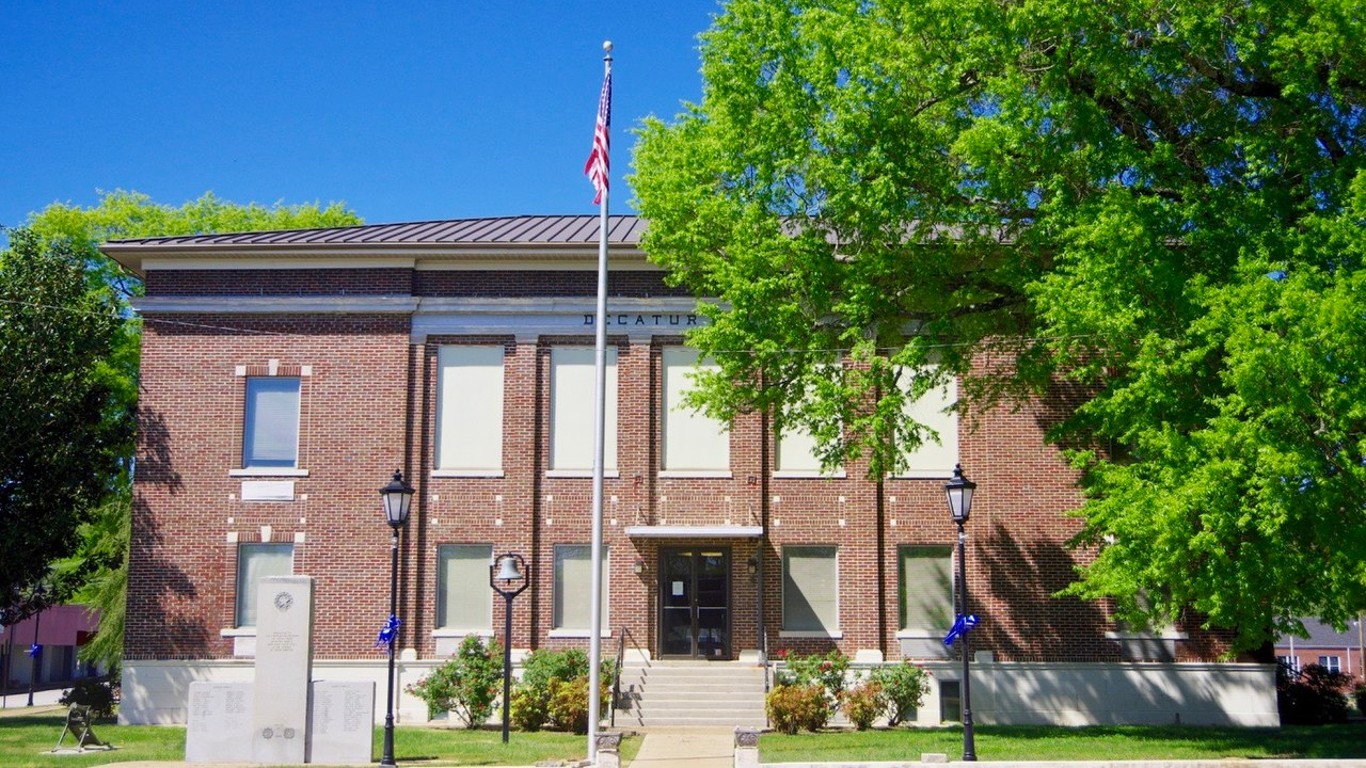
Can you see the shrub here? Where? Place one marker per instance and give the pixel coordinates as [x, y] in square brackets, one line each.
[904, 686]
[96, 694]
[794, 707]
[568, 705]
[1359, 693]
[826, 671]
[467, 684]
[550, 694]
[1312, 697]
[530, 709]
[863, 703]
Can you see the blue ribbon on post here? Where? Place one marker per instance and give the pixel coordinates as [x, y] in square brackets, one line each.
[961, 625]
[34, 650]
[390, 631]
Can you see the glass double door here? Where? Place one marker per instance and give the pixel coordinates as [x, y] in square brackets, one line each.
[694, 600]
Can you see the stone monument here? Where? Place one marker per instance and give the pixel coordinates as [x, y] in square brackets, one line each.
[284, 662]
[285, 717]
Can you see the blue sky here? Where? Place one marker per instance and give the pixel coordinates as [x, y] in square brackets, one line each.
[404, 111]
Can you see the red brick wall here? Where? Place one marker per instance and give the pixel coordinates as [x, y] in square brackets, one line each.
[352, 426]
[369, 407]
[280, 282]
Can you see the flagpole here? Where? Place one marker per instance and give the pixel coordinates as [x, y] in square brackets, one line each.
[599, 444]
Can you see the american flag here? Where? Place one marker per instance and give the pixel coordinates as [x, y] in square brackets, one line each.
[597, 166]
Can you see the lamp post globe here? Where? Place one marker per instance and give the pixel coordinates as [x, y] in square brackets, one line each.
[958, 491]
[397, 499]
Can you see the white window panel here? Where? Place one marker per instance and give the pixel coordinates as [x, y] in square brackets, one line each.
[573, 582]
[934, 459]
[464, 599]
[469, 409]
[693, 442]
[797, 452]
[810, 589]
[925, 577]
[270, 434]
[255, 562]
[573, 393]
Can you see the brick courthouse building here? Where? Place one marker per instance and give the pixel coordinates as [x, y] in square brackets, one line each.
[286, 375]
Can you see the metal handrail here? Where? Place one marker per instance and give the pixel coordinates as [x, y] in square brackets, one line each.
[616, 671]
[768, 663]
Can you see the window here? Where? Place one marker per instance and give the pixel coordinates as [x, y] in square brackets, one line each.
[255, 562]
[810, 591]
[1291, 663]
[795, 450]
[573, 387]
[693, 441]
[934, 458]
[469, 410]
[270, 434]
[573, 582]
[925, 579]
[1331, 663]
[461, 571]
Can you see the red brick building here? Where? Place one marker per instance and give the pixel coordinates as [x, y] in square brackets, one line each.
[286, 375]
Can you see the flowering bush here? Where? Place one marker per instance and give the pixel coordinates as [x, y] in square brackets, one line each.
[467, 684]
[826, 671]
[903, 686]
[794, 707]
[863, 703]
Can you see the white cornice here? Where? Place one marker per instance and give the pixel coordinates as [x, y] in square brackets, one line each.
[277, 305]
[519, 256]
[201, 262]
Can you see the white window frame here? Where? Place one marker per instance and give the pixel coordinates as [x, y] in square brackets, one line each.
[692, 444]
[573, 387]
[788, 583]
[469, 410]
[246, 593]
[1331, 663]
[267, 419]
[477, 559]
[561, 593]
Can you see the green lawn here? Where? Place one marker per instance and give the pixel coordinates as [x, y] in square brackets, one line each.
[1090, 743]
[25, 741]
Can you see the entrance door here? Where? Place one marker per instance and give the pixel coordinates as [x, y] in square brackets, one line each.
[694, 599]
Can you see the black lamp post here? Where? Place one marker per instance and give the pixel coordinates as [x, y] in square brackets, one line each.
[959, 491]
[35, 651]
[398, 499]
[510, 569]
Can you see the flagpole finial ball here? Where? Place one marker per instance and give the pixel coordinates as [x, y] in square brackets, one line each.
[606, 46]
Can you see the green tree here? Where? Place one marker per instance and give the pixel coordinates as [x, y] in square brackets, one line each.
[64, 434]
[1160, 204]
[90, 565]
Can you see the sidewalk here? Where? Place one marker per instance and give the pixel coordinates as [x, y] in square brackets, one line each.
[686, 748]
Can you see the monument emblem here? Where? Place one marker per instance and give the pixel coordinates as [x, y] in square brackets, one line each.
[283, 601]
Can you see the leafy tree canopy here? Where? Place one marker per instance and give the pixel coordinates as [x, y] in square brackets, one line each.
[1161, 201]
[65, 430]
[64, 509]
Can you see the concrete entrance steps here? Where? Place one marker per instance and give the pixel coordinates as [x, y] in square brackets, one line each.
[691, 693]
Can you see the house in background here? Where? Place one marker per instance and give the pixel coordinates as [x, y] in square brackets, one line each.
[285, 375]
[1325, 646]
[60, 631]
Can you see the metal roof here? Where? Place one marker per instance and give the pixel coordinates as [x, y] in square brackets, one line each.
[506, 230]
[1323, 636]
